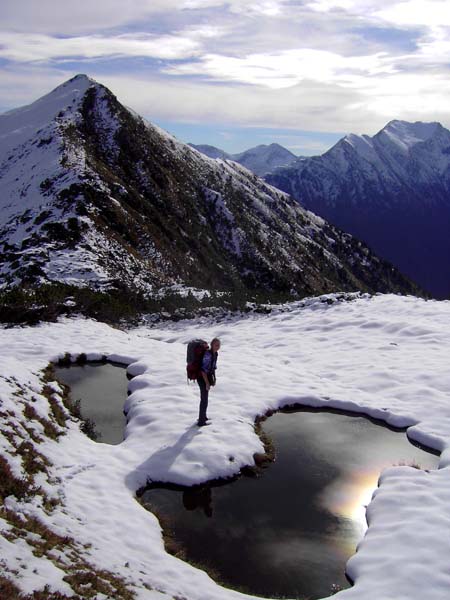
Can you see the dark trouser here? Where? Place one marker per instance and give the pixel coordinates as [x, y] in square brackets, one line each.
[203, 400]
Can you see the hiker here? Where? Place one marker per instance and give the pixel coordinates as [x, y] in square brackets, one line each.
[207, 378]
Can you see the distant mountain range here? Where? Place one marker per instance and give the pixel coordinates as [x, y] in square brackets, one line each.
[261, 159]
[391, 190]
[93, 195]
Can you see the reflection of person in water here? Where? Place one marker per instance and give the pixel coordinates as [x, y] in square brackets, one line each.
[198, 498]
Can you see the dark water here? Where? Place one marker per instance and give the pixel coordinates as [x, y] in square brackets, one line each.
[290, 532]
[102, 391]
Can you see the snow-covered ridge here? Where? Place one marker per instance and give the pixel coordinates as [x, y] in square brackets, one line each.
[41, 162]
[86, 179]
[401, 133]
[406, 134]
[391, 190]
[22, 124]
[383, 356]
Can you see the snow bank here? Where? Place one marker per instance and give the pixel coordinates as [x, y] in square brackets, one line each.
[386, 357]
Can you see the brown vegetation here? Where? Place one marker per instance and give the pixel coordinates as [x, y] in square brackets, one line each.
[66, 553]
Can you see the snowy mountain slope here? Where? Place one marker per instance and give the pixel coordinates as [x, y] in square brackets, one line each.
[91, 194]
[265, 158]
[42, 160]
[319, 352]
[261, 159]
[212, 151]
[392, 190]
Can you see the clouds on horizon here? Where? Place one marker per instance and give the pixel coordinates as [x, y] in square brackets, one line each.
[319, 65]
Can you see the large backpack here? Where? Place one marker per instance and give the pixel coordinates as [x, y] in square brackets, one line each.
[194, 357]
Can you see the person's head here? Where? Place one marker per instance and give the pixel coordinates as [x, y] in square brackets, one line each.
[215, 345]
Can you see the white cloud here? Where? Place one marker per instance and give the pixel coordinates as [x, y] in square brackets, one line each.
[24, 47]
[328, 5]
[364, 8]
[270, 8]
[310, 106]
[363, 107]
[81, 16]
[325, 65]
[285, 69]
[22, 85]
[411, 96]
[57, 16]
[423, 13]
[404, 13]
[299, 144]
[207, 31]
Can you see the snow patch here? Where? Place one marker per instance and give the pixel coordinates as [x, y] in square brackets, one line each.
[384, 356]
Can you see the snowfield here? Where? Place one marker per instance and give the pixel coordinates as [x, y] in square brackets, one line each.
[385, 356]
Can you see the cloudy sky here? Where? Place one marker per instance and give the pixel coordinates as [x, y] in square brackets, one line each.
[238, 73]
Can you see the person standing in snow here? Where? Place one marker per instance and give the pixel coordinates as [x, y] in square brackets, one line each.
[207, 378]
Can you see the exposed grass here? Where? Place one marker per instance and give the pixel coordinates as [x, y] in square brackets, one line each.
[44, 540]
[33, 461]
[11, 485]
[50, 429]
[9, 591]
[23, 442]
[48, 594]
[85, 579]
[269, 448]
[88, 583]
[58, 413]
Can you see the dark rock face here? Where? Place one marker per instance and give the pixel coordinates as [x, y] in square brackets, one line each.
[391, 190]
[112, 201]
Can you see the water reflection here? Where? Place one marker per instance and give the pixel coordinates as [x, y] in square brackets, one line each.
[102, 391]
[349, 495]
[198, 498]
[290, 531]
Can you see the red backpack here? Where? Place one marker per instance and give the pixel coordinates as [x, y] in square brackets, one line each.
[195, 351]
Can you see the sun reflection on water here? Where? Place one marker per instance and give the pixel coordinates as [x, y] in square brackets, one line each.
[349, 495]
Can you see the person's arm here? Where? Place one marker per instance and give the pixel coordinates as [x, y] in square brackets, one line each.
[206, 363]
[206, 380]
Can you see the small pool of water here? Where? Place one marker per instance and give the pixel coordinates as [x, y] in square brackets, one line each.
[102, 391]
[290, 532]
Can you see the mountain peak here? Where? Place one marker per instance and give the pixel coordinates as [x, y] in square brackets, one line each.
[265, 158]
[81, 77]
[406, 134]
[211, 151]
[276, 145]
[90, 195]
[390, 190]
[402, 134]
[71, 89]
[260, 159]
[17, 126]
